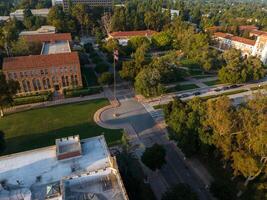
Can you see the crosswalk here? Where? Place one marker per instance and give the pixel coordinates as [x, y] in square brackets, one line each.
[157, 115]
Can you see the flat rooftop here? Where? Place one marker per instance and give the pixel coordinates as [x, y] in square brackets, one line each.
[103, 184]
[55, 48]
[39, 168]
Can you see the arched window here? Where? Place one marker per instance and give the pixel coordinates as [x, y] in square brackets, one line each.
[63, 81]
[48, 83]
[24, 85]
[34, 83]
[67, 80]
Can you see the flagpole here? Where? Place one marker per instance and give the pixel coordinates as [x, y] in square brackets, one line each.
[114, 84]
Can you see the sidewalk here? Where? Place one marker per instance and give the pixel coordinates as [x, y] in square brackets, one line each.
[20, 108]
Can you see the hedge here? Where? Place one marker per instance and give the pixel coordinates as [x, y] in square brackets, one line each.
[31, 99]
[82, 92]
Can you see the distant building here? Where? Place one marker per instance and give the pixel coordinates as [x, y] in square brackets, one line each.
[243, 28]
[91, 3]
[72, 169]
[42, 30]
[55, 69]
[173, 12]
[4, 19]
[124, 36]
[19, 14]
[57, 2]
[248, 47]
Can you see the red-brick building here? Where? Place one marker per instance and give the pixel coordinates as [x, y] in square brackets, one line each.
[44, 72]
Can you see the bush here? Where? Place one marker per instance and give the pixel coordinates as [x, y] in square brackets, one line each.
[31, 99]
[106, 78]
[81, 92]
[83, 58]
[101, 67]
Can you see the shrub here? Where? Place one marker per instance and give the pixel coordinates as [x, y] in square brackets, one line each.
[82, 92]
[88, 48]
[31, 99]
[101, 67]
[105, 79]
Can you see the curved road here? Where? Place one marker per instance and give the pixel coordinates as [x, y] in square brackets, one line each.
[133, 113]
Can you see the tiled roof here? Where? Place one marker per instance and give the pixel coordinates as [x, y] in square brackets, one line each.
[40, 61]
[223, 35]
[258, 32]
[121, 34]
[51, 37]
[241, 28]
[243, 40]
[235, 38]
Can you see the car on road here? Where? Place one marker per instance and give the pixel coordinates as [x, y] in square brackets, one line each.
[196, 93]
[234, 86]
[218, 89]
[184, 95]
[226, 88]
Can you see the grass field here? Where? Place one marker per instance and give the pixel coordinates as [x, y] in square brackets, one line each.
[211, 83]
[38, 128]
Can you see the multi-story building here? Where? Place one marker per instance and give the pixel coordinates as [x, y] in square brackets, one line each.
[50, 72]
[248, 47]
[55, 69]
[19, 14]
[71, 169]
[91, 3]
[124, 36]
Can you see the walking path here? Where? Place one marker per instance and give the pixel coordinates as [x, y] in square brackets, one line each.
[20, 108]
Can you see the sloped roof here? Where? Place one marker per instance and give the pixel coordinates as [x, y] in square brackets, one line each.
[121, 34]
[51, 37]
[235, 38]
[40, 61]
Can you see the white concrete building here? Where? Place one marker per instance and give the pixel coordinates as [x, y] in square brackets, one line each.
[248, 47]
[43, 30]
[174, 13]
[72, 169]
[19, 14]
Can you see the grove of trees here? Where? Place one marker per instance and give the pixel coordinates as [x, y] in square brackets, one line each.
[238, 134]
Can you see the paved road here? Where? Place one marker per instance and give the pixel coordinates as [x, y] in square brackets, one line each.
[176, 169]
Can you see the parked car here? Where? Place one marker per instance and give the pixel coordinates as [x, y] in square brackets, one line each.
[218, 89]
[234, 86]
[196, 93]
[226, 88]
[184, 95]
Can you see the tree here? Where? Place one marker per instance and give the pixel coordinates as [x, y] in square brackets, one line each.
[162, 40]
[2, 141]
[105, 78]
[184, 119]
[180, 192]
[154, 157]
[147, 82]
[79, 11]
[128, 70]
[7, 90]
[223, 190]
[238, 69]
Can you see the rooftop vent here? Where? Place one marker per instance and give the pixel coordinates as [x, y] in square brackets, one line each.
[68, 147]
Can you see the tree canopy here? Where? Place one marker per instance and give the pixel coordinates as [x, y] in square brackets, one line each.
[154, 157]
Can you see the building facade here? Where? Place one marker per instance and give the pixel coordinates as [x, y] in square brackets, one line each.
[124, 36]
[91, 3]
[248, 47]
[52, 72]
[19, 14]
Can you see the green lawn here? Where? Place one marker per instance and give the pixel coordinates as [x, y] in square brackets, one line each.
[211, 83]
[182, 87]
[38, 128]
[88, 76]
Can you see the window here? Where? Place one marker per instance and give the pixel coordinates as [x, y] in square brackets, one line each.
[46, 71]
[21, 74]
[42, 72]
[67, 80]
[63, 81]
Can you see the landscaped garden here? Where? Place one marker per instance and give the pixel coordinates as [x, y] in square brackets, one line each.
[39, 128]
